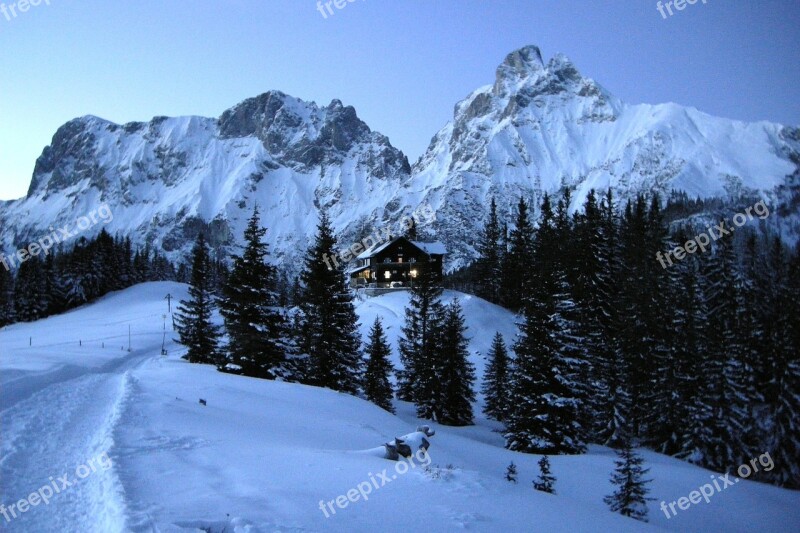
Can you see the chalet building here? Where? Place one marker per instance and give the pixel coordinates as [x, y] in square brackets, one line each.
[393, 265]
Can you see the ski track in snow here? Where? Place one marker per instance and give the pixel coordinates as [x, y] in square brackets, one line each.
[82, 412]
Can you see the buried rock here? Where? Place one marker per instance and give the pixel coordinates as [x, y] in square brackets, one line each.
[408, 445]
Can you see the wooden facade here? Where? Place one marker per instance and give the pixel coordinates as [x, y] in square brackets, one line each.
[395, 264]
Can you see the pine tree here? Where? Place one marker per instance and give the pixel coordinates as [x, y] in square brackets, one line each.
[457, 373]
[489, 265]
[6, 297]
[511, 473]
[517, 265]
[497, 381]
[31, 300]
[193, 317]
[329, 334]
[545, 398]
[546, 481]
[722, 395]
[377, 387]
[411, 233]
[611, 402]
[255, 326]
[783, 441]
[680, 379]
[420, 341]
[630, 498]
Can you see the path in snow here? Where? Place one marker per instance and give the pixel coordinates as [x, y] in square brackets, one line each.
[67, 428]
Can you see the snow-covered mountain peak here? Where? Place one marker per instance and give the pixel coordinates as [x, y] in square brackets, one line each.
[542, 127]
[518, 66]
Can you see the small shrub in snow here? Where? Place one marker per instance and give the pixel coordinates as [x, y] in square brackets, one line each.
[630, 498]
[511, 473]
[546, 481]
[437, 472]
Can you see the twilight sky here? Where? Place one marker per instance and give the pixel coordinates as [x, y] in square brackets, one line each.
[401, 64]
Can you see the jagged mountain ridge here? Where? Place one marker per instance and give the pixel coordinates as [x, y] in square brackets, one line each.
[543, 127]
[170, 178]
[538, 128]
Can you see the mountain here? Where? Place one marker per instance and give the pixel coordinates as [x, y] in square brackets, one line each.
[544, 127]
[167, 179]
[539, 128]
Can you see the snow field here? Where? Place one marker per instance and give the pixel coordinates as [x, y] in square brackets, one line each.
[262, 456]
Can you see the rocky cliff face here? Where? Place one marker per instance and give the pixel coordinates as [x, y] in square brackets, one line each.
[539, 128]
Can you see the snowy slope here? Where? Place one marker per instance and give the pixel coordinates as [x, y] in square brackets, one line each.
[261, 455]
[539, 127]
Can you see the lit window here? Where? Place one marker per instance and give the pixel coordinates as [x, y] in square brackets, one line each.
[387, 274]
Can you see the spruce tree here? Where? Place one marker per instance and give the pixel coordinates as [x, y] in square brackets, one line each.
[517, 265]
[611, 401]
[545, 397]
[546, 481]
[256, 327]
[511, 473]
[783, 442]
[497, 381]
[420, 341]
[329, 325]
[377, 387]
[630, 497]
[411, 233]
[680, 379]
[457, 373]
[193, 317]
[6, 297]
[31, 301]
[722, 411]
[489, 264]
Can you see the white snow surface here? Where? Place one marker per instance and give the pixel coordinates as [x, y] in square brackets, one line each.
[262, 455]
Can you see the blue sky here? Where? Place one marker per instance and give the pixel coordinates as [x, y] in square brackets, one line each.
[401, 64]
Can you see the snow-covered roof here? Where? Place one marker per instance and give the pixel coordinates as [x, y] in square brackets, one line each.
[375, 249]
[356, 270]
[430, 248]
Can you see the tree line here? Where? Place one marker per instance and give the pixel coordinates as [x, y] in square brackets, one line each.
[700, 360]
[67, 278]
[317, 342]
